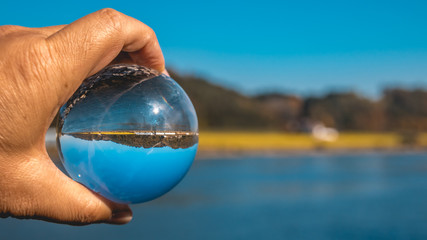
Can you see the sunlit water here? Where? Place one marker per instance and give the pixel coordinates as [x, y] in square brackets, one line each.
[364, 196]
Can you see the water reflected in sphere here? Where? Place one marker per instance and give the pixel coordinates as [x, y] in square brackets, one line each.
[128, 133]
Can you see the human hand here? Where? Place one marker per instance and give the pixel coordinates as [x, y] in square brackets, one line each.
[40, 68]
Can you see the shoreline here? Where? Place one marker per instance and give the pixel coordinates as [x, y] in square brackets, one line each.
[237, 154]
[230, 154]
[214, 145]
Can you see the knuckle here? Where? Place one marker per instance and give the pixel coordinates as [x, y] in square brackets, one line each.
[35, 58]
[26, 53]
[90, 212]
[7, 29]
[4, 30]
[13, 31]
[111, 17]
[150, 34]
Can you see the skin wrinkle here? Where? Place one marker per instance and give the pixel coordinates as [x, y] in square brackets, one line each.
[20, 105]
[17, 199]
[112, 18]
[84, 53]
[54, 93]
[54, 48]
[58, 88]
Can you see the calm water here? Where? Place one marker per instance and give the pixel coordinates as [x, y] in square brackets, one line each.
[366, 196]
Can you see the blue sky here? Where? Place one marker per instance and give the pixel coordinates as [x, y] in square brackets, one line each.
[299, 47]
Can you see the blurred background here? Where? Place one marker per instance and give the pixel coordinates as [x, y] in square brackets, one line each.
[312, 114]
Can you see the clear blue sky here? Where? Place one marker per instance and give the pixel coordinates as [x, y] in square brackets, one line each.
[300, 47]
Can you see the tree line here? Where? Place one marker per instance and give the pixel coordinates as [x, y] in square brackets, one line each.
[219, 108]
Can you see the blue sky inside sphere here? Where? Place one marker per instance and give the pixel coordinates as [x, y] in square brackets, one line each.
[295, 47]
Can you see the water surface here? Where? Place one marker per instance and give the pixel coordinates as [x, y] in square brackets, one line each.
[364, 196]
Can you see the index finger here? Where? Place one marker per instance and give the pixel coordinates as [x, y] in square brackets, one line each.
[87, 45]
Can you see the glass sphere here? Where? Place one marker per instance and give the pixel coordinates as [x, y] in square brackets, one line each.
[128, 133]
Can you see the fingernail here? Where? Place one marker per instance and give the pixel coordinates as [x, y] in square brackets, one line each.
[121, 217]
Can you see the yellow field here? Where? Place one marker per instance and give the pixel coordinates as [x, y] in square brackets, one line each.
[243, 141]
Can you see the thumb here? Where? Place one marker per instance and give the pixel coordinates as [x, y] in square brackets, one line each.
[45, 193]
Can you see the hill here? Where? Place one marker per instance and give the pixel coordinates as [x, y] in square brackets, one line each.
[219, 108]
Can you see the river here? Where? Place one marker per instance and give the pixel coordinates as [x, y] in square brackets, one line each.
[338, 196]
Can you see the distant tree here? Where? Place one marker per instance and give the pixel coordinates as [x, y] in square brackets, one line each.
[405, 109]
[221, 108]
[345, 111]
[285, 110]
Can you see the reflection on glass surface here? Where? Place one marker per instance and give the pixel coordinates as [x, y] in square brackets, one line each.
[128, 133]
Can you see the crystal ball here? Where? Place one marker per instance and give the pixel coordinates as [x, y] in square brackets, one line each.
[128, 133]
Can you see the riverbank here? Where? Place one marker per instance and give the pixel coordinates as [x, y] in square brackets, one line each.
[214, 144]
[274, 141]
[237, 144]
